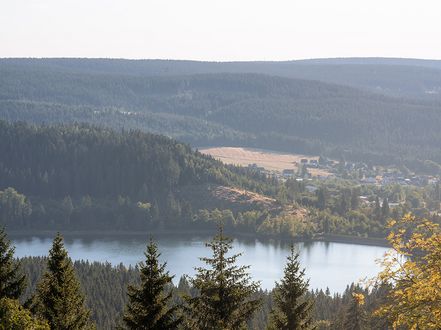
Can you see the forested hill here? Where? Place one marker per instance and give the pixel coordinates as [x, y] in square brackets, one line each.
[390, 76]
[116, 177]
[229, 109]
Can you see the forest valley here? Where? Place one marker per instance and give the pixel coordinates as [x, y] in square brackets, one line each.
[380, 112]
[54, 293]
[81, 177]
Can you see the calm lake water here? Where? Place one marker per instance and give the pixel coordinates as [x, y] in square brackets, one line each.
[332, 265]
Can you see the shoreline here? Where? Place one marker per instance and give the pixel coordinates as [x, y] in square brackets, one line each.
[330, 238]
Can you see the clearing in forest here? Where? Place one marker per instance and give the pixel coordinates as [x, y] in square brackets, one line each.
[270, 160]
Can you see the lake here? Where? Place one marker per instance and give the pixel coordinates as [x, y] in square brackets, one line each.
[332, 265]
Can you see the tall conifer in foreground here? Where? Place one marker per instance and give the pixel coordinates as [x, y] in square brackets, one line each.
[12, 281]
[148, 303]
[292, 308]
[58, 298]
[225, 299]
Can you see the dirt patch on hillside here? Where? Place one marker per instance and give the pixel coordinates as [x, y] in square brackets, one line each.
[298, 212]
[240, 196]
[211, 196]
[271, 161]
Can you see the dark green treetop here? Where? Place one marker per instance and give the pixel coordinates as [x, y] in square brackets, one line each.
[148, 306]
[356, 317]
[226, 298]
[12, 281]
[292, 309]
[58, 297]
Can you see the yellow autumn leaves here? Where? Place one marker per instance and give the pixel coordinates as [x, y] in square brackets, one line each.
[359, 298]
[412, 271]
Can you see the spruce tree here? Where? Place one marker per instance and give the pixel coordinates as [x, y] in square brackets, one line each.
[377, 209]
[385, 210]
[58, 297]
[148, 303]
[321, 198]
[226, 294]
[12, 281]
[292, 308]
[356, 318]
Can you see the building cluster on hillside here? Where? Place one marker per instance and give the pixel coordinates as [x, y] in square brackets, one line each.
[391, 178]
[370, 202]
[414, 180]
[359, 171]
[381, 176]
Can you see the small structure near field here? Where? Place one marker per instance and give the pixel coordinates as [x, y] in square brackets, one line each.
[288, 173]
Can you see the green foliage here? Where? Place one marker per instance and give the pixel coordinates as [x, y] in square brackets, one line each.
[14, 317]
[225, 291]
[15, 208]
[12, 281]
[293, 309]
[148, 302]
[58, 298]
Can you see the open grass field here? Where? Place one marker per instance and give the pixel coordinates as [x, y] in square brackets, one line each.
[270, 160]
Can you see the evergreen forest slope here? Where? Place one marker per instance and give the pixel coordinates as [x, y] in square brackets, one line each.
[390, 76]
[82, 177]
[242, 109]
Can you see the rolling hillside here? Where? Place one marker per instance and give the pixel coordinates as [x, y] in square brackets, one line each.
[410, 78]
[80, 176]
[251, 110]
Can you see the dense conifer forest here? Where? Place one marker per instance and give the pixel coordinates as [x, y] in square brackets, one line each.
[106, 287]
[227, 165]
[80, 150]
[81, 177]
[220, 296]
[87, 177]
[54, 293]
[244, 109]
[390, 76]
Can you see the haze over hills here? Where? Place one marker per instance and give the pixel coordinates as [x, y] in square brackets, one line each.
[157, 171]
[242, 109]
[392, 76]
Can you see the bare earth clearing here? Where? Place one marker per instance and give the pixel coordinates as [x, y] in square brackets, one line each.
[270, 160]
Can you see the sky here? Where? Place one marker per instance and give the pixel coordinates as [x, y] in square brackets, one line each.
[220, 30]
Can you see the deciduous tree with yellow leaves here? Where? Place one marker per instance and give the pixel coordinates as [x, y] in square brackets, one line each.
[412, 269]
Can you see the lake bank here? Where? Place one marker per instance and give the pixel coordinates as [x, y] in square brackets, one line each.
[335, 238]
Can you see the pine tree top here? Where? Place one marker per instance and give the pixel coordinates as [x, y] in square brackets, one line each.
[59, 298]
[293, 310]
[225, 299]
[58, 258]
[148, 306]
[294, 276]
[12, 281]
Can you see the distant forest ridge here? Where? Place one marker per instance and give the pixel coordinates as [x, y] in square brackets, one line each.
[391, 76]
[226, 109]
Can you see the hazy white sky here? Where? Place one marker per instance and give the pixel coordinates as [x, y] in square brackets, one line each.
[220, 29]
